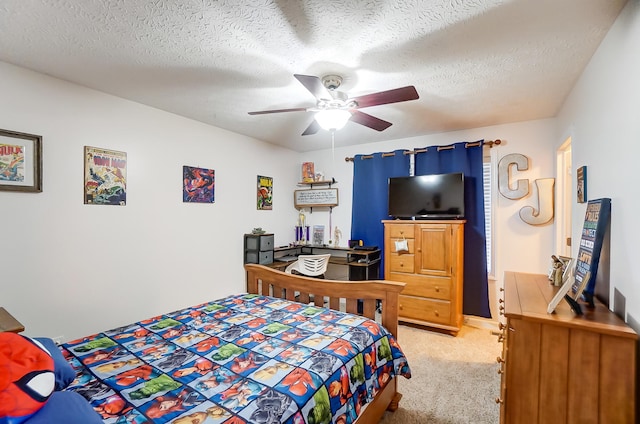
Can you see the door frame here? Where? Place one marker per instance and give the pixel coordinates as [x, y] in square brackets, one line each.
[564, 174]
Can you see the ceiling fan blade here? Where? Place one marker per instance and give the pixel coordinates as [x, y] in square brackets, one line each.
[396, 95]
[312, 128]
[295, 109]
[315, 86]
[369, 121]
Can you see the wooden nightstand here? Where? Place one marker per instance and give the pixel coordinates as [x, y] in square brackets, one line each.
[9, 323]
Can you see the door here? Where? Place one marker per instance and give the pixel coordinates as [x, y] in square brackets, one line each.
[433, 255]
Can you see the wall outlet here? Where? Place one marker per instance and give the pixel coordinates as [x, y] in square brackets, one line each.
[58, 340]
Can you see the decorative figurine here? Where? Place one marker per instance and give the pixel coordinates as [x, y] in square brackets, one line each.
[337, 235]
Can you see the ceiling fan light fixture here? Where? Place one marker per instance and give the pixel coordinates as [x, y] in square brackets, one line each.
[332, 119]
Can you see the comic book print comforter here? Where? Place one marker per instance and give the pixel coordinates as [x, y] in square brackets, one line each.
[242, 359]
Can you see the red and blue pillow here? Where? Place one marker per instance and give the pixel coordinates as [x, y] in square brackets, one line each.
[27, 377]
[33, 374]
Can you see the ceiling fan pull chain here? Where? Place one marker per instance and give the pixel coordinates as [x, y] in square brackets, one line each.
[333, 147]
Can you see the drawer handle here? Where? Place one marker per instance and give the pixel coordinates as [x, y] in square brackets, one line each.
[500, 338]
[499, 360]
[437, 289]
[436, 313]
[498, 400]
[500, 371]
[501, 326]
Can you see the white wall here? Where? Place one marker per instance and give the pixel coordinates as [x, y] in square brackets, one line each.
[69, 269]
[602, 117]
[518, 246]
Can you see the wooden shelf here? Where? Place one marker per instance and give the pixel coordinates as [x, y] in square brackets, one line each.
[9, 323]
[318, 183]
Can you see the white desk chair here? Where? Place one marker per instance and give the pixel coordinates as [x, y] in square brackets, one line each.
[310, 265]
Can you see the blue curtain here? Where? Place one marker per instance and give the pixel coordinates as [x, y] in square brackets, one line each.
[370, 195]
[465, 158]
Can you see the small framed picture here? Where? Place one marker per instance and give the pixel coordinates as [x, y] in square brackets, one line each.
[20, 162]
[582, 184]
[560, 294]
[105, 176]
[265, 193]
[198, 185]
[560, 269]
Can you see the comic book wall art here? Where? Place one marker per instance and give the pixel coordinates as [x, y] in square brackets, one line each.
[12, 162]
[198, 185]
[20, 161]
[105, 177]
[265, 193]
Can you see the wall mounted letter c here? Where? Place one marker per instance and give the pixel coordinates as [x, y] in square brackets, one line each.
[522, 186]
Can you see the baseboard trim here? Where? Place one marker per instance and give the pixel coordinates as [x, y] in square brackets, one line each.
[479, 322]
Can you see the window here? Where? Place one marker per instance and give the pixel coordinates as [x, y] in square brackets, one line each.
[488, 213]
[486, 178]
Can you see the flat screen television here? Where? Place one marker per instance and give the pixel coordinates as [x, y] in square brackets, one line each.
[439, 196]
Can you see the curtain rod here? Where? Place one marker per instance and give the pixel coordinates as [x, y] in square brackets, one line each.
[490, 143]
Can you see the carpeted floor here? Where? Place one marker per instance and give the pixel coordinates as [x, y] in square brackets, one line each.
[454, 379]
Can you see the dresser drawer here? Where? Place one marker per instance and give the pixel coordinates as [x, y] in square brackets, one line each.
[401, 230]
[410, 245]
[404, 263]
[431, 310]
[418, 285]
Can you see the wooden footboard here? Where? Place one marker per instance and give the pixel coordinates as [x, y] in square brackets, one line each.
[271, 282]
[338, 295]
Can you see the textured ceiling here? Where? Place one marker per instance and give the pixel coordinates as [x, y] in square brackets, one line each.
[473, 62]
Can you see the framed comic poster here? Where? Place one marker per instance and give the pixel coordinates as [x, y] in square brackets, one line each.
[265, 193]
[105, 177]
[198, 185]
[20, 162]
[581, 189]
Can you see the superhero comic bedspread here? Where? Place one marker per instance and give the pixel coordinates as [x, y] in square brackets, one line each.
[242, 359]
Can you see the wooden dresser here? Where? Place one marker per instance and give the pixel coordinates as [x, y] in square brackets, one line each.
[561, 367]
[432, 269]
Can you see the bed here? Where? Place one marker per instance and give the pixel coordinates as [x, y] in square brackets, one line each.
[293, 349]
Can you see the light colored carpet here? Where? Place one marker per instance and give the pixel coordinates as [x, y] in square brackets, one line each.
[454, 379]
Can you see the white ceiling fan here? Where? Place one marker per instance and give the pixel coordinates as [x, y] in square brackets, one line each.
[335, 108]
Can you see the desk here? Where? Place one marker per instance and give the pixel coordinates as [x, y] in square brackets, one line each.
[9, 323]
[363, 264]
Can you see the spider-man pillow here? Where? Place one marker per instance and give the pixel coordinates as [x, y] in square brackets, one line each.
[26, 378]
[64, 372]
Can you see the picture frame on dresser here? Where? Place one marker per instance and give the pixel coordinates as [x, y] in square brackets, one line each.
[20, 162]
[560, 269]
[560, 294]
